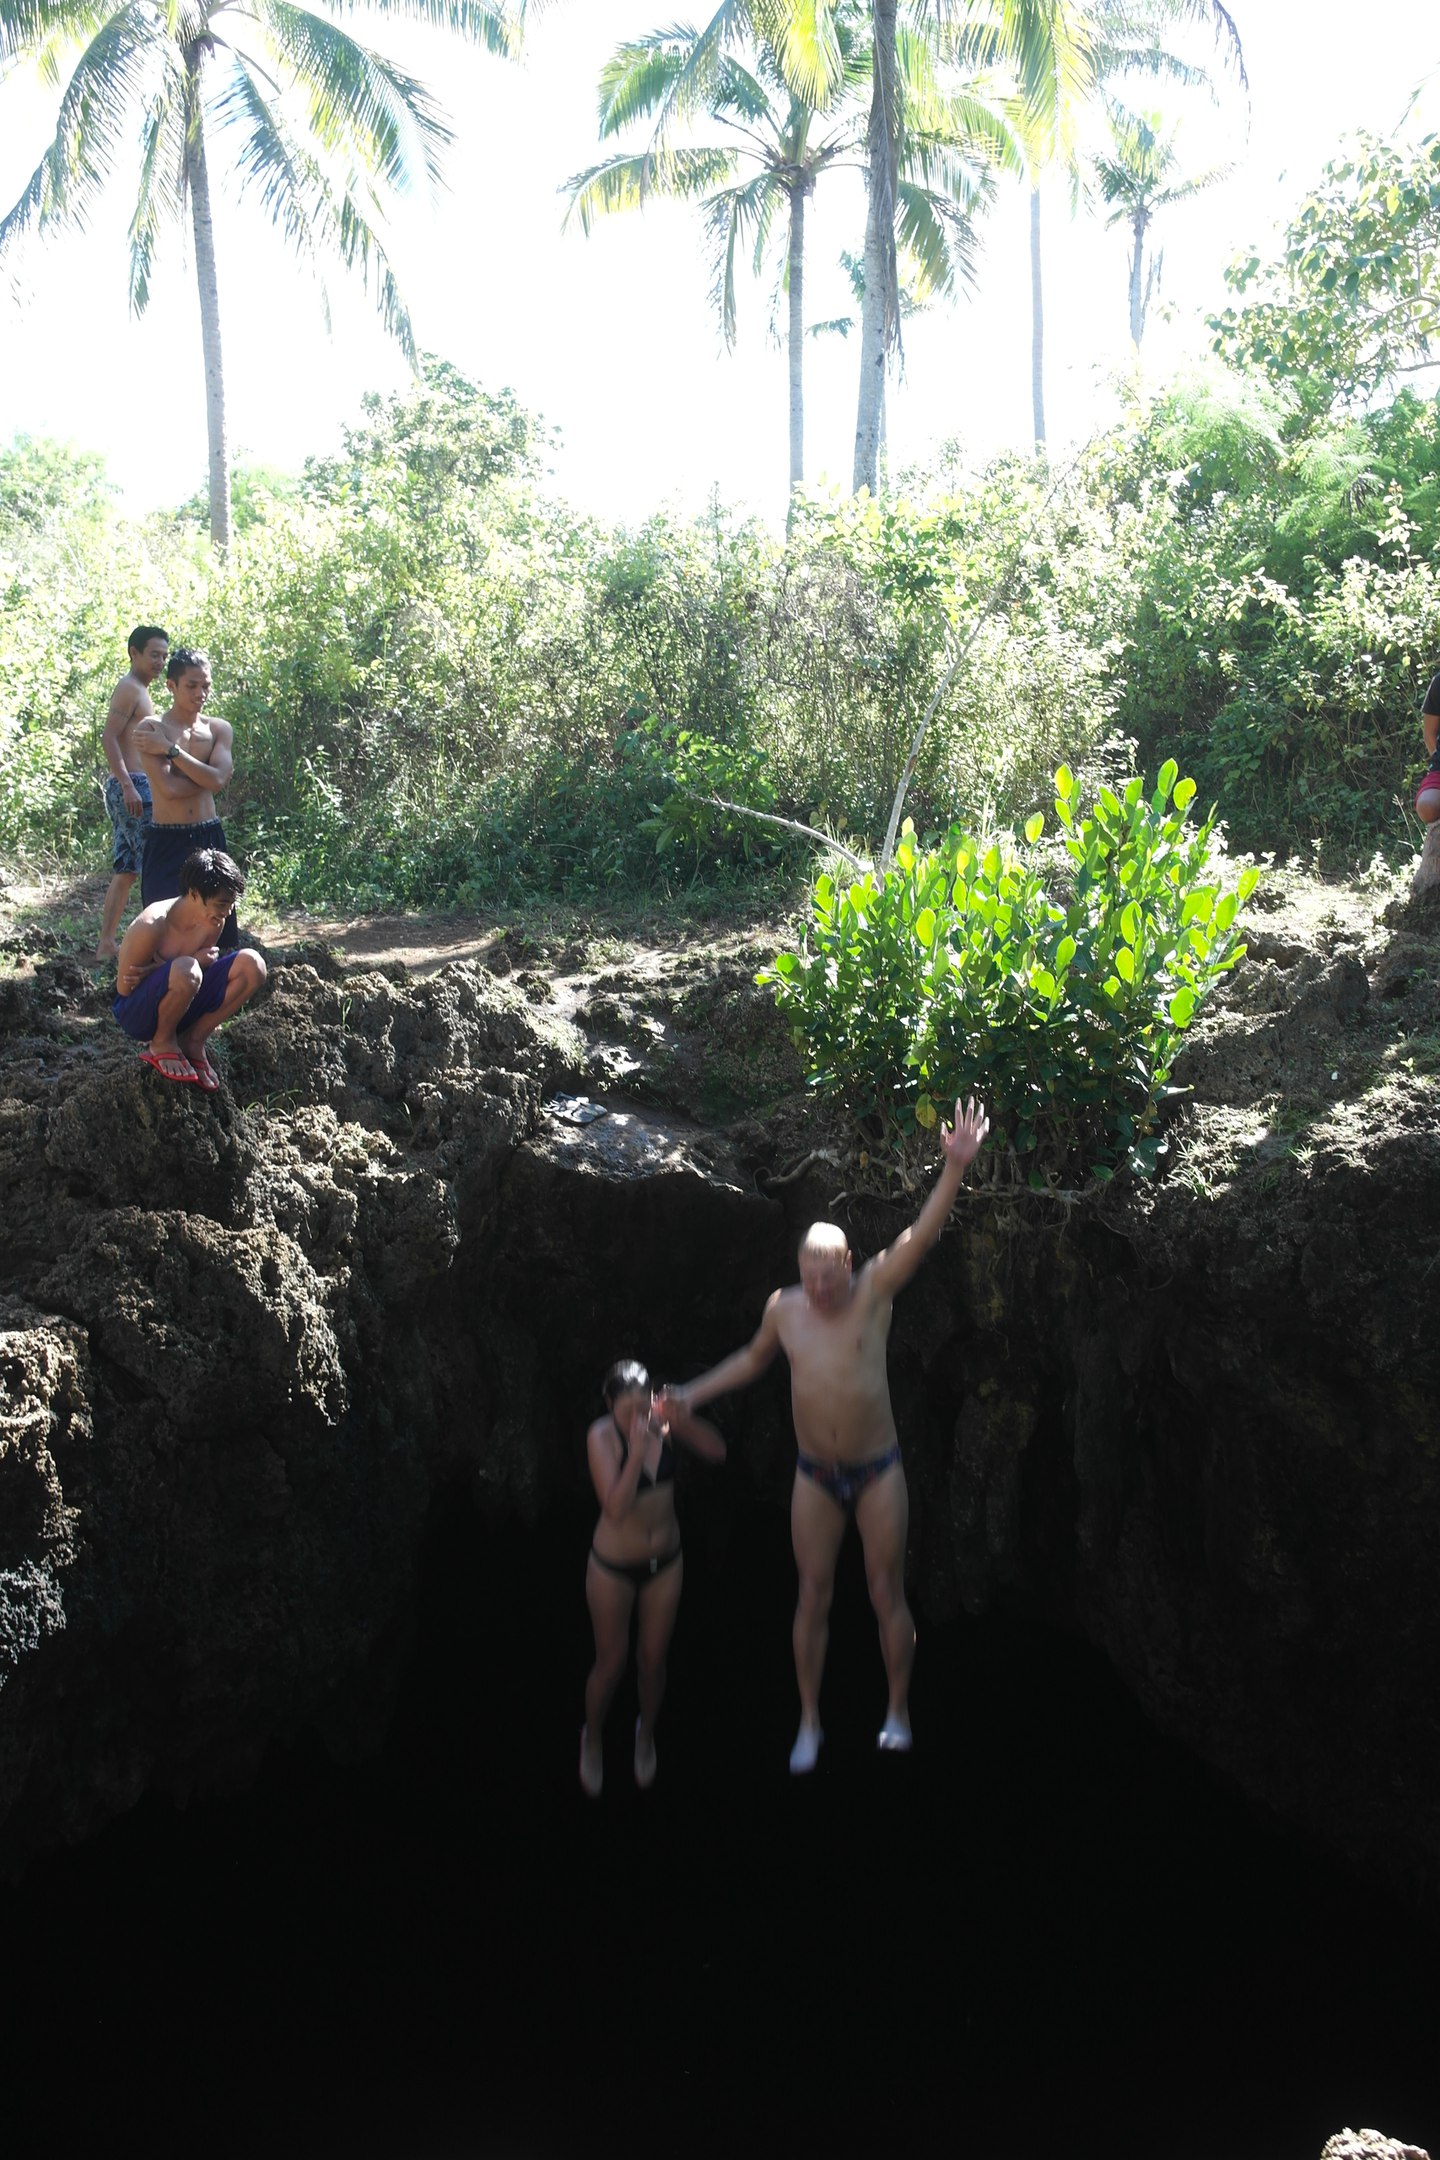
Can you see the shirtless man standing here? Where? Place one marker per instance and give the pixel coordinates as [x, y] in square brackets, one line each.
[833, 1329]
[127, 791]
[188, 759]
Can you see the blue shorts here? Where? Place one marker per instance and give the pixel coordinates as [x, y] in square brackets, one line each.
[128, 855]
[138, 1011]
[166, 847]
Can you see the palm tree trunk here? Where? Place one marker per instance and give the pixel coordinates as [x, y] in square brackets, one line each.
[1137, 281]
[1037, 323]
[880, 308]
[197, 176]
[797, 336]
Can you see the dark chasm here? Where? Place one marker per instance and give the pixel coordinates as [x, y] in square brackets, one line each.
[1048, 1929]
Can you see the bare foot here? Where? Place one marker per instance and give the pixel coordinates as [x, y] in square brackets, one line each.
[806, 1751]
[592, 1765]
[644, 1759]
[205, 1072]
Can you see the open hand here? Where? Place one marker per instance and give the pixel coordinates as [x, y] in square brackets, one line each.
[962, 1139]
[150, 731]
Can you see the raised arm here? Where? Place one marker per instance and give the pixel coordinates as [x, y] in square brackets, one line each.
[735, 1371]
[696, 1433]
[890, 1270]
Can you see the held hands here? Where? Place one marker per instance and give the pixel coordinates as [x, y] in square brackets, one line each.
[963, 1138]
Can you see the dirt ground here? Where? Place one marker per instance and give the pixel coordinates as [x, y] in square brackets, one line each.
[69, 907]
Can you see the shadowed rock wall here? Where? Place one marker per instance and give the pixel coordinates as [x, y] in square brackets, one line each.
[244, 1340]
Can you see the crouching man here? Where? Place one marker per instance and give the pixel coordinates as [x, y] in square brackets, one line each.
[175, 985]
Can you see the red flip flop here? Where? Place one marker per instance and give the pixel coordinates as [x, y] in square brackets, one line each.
[206, 1074]
[170, 1065]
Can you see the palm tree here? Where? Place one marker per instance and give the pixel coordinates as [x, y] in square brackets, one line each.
[776, 142]
[1137, 177]
[1021, 59]
[320, 127]
[1118, 39]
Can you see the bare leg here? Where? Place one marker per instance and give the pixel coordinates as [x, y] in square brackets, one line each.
[184, 981]
[883, 1514]
[817, 1525]
[611, 1600]
[659, 1605]
[1427, 869]
[108, 944]
[247, 972]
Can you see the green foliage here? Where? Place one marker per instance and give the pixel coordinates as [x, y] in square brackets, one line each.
[1059, 1000]
[447, 686]
[1354, 301]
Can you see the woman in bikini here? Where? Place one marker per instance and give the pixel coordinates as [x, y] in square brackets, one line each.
[635, 1562]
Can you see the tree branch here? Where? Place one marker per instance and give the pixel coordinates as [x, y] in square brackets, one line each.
[768, 817]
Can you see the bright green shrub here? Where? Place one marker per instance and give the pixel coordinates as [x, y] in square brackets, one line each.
[1059, 1001]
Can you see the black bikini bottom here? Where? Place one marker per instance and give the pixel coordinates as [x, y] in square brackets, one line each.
[637, 1571]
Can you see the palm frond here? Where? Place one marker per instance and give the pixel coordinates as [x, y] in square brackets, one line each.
[360, 104]
[638, 77]
[622, 183]
[732, 216]
[497, 26]
[28, 28]
[95, 117]
[804, 36]
[270, 162]
[1048, 49]
[937, 240]
[160, 197]
[1142, 21]
[687, 91]
[361, 250]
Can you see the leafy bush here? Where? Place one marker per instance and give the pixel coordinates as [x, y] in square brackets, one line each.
[971, 968]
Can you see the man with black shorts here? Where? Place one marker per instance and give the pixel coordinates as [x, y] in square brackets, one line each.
[188, 758]
[832, 1327]
[174, 986]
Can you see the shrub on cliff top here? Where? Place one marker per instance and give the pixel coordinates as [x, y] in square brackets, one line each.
[972, 968]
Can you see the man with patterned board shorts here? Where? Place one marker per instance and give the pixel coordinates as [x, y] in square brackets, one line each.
[1427, 801]
[127, 791]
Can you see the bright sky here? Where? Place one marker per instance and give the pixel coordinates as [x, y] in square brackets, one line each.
[612, 339]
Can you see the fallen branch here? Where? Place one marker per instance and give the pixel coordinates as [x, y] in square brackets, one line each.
[788, 824]
[798, 1169]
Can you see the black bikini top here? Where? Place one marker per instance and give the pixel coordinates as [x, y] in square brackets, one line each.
[664, 1469]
